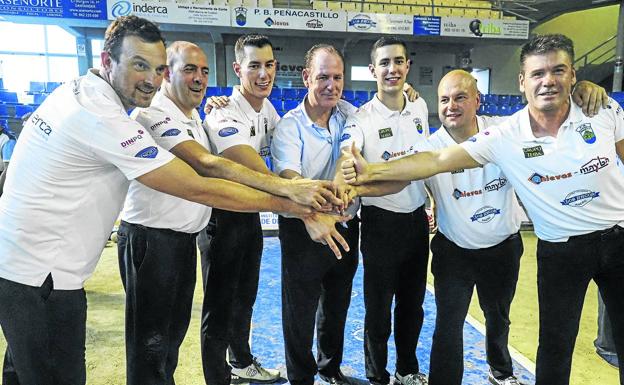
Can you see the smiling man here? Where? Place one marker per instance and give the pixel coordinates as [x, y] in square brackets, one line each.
[68, 178]
[395, 262]
[563, 167]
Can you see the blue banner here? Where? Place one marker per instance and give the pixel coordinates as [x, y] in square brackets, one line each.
[72, 9]
[426, 25]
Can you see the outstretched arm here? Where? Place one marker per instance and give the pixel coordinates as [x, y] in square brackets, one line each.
[178, 178]
[414, 167]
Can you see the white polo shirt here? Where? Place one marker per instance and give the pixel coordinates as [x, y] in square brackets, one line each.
[475, 208]
[238, 123]
[68, 179]
[570, 185]
[382, 135]
[169, 127]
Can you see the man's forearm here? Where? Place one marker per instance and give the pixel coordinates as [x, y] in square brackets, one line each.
[413, 167]
[378, 189]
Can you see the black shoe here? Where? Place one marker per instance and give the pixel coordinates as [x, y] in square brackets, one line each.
[337, 379]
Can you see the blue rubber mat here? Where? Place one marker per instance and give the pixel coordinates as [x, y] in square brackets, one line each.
[267, 341]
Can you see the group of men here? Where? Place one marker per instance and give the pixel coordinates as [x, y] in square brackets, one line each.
[76, 179]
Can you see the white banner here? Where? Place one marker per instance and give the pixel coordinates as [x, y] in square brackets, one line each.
[170, 12]
[485, 28]
[268, 221]
[380, 23]
[281, 18]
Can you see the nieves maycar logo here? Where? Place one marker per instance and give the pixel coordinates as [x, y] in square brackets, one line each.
[121, 8]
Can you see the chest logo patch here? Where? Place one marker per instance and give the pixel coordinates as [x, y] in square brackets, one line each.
[227, 131]
[587, 133]
[253, 131]
[418, 124]
[533, 152]
[485, 214]
[190, 133]
[171, 132]
[385, 133]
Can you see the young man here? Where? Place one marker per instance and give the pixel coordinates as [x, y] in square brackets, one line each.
[68, 178]
[315, 285]
[157, 231]
[563, 167]
[395, 262]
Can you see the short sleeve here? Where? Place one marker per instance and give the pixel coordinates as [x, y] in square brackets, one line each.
[423, 145]
[619, 120]
[483, 146]
[166, 131]
[126, 144]
[226, 129]
[287, 146]
[353, 132]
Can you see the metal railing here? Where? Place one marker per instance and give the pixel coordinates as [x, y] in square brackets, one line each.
[601, 53]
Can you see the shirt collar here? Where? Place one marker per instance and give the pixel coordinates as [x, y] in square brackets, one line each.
[308, 121]
[94, 79]
[167, 105]
[244, 105]
[384, 111]
[575, 115]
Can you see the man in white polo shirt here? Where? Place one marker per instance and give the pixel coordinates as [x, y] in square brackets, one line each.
[68, 178]
[157, 232]
[563, 167]
[395, 236]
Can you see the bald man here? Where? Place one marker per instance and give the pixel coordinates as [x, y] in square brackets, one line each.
[470, 250]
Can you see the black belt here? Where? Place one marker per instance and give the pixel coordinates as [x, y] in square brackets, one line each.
[600, 234]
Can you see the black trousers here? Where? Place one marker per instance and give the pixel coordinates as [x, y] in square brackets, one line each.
[494, 272]
[45, 330]
[158, 270]
[564, 270]
[395, 248]
[231, 269]
[316, 288]
[604, 339]
[9, 375]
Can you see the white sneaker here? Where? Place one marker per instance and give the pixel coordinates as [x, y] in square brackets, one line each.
[410, 379]
[511, 380]
[254, 373]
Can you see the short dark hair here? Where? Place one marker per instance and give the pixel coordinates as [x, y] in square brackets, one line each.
[309, 56]
[384, 41]
[129, 26]
[249, 40]
[541, 44]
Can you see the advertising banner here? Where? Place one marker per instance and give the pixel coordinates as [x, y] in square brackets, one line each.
[171, 12]
[281, 18]
[426, 26]
[485, 28]
[71, 9]
[379, 23]
[268, 221]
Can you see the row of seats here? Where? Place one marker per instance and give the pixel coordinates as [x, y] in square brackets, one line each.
[17, 111]
[232, 3]
[405, 7]
[42, 87]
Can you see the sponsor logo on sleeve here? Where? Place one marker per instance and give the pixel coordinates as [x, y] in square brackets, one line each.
[463, 194]
[496, 184]
[41, 124]
[418, 124]
[129, 142]
[580, 198]
[485, 214]
[536, 178]
[160, 123]
[533, 152]
[344, 137]
[227, 131]
[171, 132]
[385, 133]
[148, 152]
[587, 133]
[594, 165]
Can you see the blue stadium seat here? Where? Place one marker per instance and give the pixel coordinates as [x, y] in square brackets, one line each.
[277, 103]
[433, 129]
[371, 94]
[514, 100]
[290, 105]
[276, 93]
[481, 110]
[51, 86]
[348, 95]
[289, 93]
[4, 111]
[225, 91]
[1, 84]
[362, 95]
[212, 91]
[482, 98]
[22, 109]
[516, 108]
[618, 97]
[8, 97]
[36, 88]
[504, 109]
[39, 98]
[358, 103]
[503, 100]
[491, 109]
[491, 98]
[301, 93]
